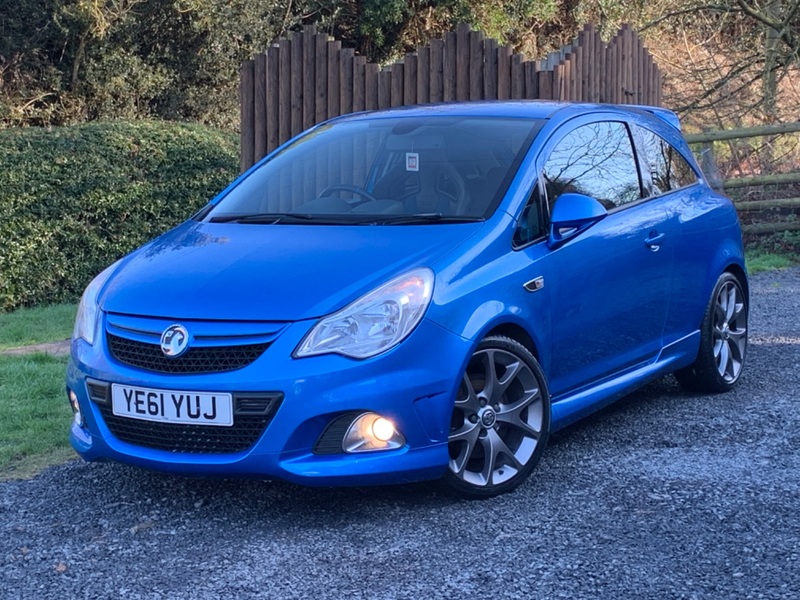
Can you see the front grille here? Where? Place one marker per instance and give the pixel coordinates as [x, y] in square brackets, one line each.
[196, 439]
[199, 359]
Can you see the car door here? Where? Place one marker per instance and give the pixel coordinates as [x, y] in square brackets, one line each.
[610, 285]
[674, 183]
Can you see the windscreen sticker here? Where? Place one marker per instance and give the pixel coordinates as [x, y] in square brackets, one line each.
[412, 161]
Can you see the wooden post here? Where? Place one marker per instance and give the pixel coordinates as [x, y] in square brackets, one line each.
[475, 65]
[371, 86]
[517, 77]
[397, 90]
[385, 88]
[490, 69]
[321, 81]
[346, 81]
[423, 74]
[437, 71]
[247, 104]
[260, 107]
[462, 63]
[359, 83]
[273, 98]
[285, 91]
[410, 79]
[297, 83]
[504, 73]
[450, 71]
[309, 75]
[334, 91]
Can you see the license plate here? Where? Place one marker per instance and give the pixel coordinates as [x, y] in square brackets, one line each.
[171, 406]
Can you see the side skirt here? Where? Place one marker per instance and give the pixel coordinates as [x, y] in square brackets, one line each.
[569, 409]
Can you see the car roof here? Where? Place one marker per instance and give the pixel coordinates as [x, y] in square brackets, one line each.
[530, 109]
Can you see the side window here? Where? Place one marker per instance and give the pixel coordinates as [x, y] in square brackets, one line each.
[529, 227]
[668, 169]
[596, 160]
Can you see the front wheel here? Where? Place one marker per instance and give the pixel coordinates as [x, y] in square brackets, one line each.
[500, 422]
[723, 341]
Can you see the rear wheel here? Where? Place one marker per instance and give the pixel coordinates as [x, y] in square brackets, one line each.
[500, 422]
[723, 340]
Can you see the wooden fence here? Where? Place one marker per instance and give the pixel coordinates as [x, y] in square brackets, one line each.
[773, 215]
[308, 77]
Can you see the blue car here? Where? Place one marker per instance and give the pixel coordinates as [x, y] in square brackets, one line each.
[415, 294]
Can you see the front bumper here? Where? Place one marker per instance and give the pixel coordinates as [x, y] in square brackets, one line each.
[413, 385]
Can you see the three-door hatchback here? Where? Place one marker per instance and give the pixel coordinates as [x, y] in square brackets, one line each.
[415, 294]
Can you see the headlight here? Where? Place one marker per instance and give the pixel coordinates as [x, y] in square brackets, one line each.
[375, 322]
[86, 321]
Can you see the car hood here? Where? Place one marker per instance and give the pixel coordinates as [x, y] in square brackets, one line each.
[270, 272]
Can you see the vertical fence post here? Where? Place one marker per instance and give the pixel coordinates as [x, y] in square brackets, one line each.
[297, 83]
[450, 70]
[273, 97]
[247, 104]
[410, 79]
[423, 75]
[259, 106]
[335, 85]
[437, 71]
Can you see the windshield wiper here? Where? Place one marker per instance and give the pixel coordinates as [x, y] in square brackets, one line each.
[344, 219]
[418, 219]
[266, 218]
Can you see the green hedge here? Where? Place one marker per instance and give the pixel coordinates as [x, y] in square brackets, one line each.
[74, 199]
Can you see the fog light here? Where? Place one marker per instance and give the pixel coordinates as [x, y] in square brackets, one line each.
[76, 409]
[383, 429]
[371, 431]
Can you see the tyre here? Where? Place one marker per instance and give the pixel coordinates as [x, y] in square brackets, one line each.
[723, 341]
[500, 422]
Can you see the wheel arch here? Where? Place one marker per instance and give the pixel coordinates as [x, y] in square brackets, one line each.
[739, 272]
[517, 333]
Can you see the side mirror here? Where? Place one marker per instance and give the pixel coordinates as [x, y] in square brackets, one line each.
[572, 215]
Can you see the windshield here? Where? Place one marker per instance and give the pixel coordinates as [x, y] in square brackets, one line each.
[385, 170]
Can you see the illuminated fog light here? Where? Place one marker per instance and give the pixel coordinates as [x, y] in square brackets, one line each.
[370, 432]
[383, 429]
[76, 409]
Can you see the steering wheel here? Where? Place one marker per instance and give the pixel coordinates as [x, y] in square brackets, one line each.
[346, 187]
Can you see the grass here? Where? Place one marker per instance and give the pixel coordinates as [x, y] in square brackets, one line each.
[34, 414]
[36, 325]
[758, 261]
[775, 251]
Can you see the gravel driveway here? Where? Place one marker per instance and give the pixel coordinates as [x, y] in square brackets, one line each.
[663, 495]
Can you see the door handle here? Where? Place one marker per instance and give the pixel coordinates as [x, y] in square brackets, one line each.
[654, 241]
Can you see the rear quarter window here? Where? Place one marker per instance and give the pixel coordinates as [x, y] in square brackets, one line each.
[667, 167]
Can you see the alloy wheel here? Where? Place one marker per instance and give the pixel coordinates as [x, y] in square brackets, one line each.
[729, 331]
[499, 419]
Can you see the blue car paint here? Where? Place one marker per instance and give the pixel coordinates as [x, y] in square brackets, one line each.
[578, 327]
[202, 265]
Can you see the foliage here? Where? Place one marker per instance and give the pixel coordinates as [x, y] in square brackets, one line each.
[729, 63]
[74, 199]
[67, 61]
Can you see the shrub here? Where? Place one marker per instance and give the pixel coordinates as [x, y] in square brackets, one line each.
[74, 199]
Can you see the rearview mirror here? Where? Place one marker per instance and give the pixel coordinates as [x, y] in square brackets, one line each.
[572, 214]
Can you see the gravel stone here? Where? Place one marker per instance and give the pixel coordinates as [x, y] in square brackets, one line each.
[662, 495]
